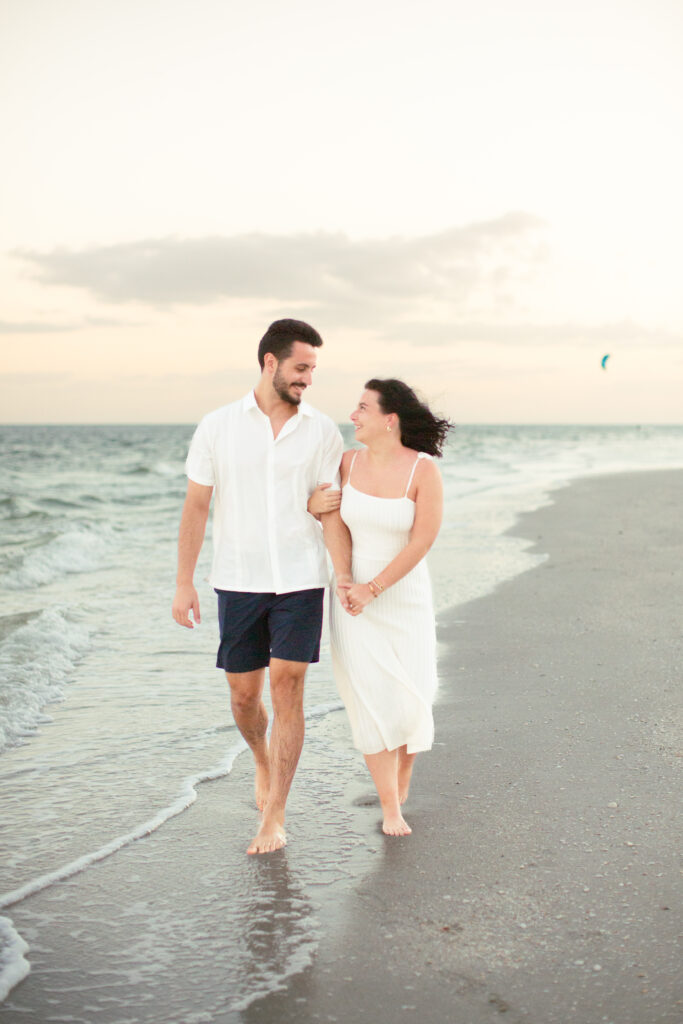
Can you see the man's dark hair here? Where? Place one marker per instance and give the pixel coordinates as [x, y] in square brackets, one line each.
[282, 334]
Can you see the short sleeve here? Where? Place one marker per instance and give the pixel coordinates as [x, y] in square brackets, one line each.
[199, 463]
[333, 449]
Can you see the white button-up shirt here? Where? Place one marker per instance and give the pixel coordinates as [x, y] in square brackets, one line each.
[264, 540]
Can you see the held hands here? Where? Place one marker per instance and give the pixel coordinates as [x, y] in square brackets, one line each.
[186, 600]
[323, 500]
[358, 596]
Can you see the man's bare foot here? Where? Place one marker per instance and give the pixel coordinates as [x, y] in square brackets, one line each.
[261, 784]
[395, 825]
[271, 836]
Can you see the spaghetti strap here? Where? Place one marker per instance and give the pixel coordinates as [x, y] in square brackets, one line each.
[412, 472]
[348, 479]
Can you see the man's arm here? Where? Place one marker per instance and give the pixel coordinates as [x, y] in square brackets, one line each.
[190, 539]
[338, 543]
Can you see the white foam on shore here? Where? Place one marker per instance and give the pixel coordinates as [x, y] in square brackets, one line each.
[13, 964]
[18, 966]
[36, 662]
[186, 797]
[485, 498]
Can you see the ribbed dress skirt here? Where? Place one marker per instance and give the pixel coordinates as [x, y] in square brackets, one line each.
[384, 660]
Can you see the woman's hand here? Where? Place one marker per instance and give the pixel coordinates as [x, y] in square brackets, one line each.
[323, 500]
[358, 596]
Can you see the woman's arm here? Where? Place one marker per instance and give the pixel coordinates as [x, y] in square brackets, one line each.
[428, 516]
[324, 500]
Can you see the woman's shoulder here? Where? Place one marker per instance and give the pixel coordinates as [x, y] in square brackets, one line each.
[423, 462]
[347, 457]
[426, 469]
[346, 462]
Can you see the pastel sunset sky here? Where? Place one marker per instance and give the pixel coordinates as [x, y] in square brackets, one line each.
[482, 198]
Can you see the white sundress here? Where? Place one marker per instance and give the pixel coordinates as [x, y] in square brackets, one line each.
[384, 660]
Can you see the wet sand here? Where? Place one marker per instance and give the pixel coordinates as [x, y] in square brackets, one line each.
[541, 883]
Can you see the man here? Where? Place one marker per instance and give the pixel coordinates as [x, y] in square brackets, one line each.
[264, 455]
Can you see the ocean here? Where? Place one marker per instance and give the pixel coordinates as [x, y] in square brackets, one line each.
[111, 716]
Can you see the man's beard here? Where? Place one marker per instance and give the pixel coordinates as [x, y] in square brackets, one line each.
[282, 389]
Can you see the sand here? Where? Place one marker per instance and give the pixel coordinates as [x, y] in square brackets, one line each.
[542, 881]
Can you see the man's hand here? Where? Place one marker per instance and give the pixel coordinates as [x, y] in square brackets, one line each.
[323, 500]
[343, 595]
[343, 584]
[186, 600]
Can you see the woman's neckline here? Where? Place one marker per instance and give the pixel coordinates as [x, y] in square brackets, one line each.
[377, 497]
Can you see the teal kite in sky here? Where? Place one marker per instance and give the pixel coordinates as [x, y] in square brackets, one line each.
[603, 362]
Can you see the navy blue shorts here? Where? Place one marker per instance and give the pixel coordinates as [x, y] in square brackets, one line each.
[257, 627]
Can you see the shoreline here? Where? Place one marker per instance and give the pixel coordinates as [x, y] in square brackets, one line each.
[467, 913]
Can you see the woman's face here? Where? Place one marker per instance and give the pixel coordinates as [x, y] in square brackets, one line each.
[368, 418]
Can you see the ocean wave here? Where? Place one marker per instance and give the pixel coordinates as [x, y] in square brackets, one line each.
[14, 507]
[59, 504]
[160, 468]
[36, 662]
[8, 623]
[75, 551]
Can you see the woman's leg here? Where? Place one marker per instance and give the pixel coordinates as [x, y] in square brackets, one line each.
[405, 770]
[384, 770]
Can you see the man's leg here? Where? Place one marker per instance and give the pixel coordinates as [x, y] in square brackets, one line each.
[286, 741]
[251, 718]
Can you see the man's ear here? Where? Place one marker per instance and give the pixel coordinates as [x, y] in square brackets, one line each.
[269, 363]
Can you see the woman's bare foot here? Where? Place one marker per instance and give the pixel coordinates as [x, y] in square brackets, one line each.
[395, 825]
[261, 783]
[271, 836]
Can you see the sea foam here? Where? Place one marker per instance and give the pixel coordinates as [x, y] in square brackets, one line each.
[13, 964]
[76, 550]
[36, 662]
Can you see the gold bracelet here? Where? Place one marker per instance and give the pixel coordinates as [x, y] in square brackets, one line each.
[373, 588]
[378, 585]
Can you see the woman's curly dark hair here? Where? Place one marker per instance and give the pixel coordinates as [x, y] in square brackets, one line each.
[420, 428]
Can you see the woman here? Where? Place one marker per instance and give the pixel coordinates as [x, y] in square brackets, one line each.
[384, 647]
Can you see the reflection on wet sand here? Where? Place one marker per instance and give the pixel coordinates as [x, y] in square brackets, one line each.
[276, 930]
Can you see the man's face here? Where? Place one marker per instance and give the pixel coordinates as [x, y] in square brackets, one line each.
[295, 373]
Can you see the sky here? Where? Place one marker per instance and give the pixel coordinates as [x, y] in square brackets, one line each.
[482, 199]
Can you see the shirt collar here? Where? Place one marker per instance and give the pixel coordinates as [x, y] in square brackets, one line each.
[249, 402]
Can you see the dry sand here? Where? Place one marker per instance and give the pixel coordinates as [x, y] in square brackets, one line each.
[542, 881]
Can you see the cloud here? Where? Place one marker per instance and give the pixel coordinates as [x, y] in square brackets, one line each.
[34, 327]
[46, 327]
[623, 332]
[346, 278]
